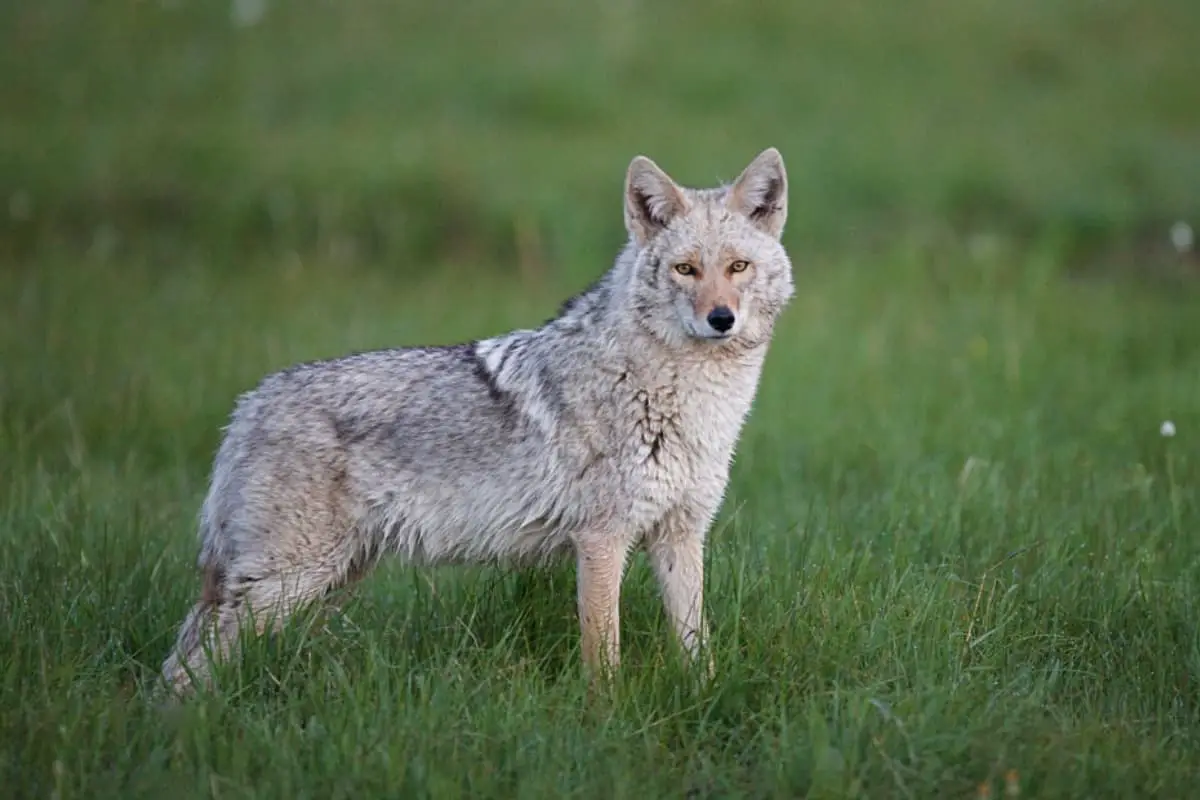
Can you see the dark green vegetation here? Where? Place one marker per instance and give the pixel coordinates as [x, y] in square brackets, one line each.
[955, 543]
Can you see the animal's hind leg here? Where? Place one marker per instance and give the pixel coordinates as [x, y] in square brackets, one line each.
[265, 598]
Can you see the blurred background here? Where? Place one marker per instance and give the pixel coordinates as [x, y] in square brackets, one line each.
[197, 191]
[496, 134]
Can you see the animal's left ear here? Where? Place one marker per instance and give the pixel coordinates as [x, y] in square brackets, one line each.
[760, 192]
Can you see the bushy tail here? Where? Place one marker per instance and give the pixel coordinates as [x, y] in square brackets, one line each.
[188, 655]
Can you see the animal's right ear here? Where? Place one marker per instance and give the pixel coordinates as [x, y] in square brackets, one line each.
[652, 199]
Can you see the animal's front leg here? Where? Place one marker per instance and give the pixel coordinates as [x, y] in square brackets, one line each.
[601, 565]
[676, 552]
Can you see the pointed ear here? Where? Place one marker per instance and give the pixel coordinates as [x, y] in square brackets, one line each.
[652, 199]
[760, 192]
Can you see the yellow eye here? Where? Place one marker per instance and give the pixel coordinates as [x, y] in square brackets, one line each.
[739, 266]
[685, 269]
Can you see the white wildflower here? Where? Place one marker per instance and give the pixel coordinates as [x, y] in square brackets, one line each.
[1183, 237]
[247, 13]
[1167, 429]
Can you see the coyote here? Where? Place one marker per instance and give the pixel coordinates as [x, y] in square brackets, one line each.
[611, 427]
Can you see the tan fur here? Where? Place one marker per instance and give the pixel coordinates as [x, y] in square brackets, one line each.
[713, 284]
[600, 567]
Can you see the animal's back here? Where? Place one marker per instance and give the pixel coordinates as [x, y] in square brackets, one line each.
[411, 450]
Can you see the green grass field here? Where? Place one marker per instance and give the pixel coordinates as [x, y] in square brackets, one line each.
[956, 551]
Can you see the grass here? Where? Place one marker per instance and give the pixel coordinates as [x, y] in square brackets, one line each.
[956, 549]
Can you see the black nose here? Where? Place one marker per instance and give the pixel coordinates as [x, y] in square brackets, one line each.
[721, 319]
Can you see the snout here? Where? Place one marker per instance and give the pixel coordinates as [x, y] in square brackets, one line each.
[721, 319]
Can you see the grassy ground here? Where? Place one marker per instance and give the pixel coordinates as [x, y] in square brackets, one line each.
[955, 544]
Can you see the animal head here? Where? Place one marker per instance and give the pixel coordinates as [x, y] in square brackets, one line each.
[708, 264]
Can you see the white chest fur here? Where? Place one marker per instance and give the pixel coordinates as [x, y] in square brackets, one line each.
[682, 428]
